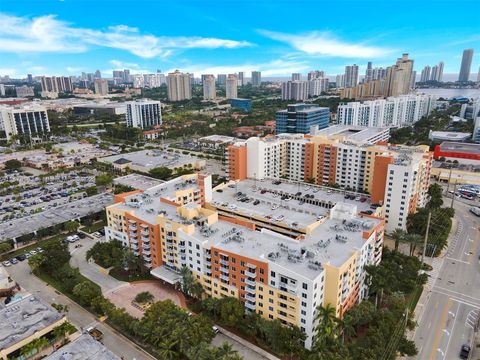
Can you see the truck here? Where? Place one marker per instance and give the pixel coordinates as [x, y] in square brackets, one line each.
[475, 210]
[95, 333]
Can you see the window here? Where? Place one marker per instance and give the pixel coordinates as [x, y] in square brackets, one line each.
[305, 286]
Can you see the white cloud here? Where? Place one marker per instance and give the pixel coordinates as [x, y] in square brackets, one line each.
[47, 34]
[324, 44]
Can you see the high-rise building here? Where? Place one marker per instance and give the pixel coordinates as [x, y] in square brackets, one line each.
[440, 71]
[340, 81]
[299, 118]
[241, 78]
[231, 87]
[466, 65]
[368, 72]
[208, 83]
[280, 269]
[101, 87]
[256, 78]
[413, 79]
[56, 84]
[396, 177]
[398, 77]
[143, 113]
[98, 74]
[2, 89]
[117, 74]
[221, 79]
[126, 75]
[137, 80]
[29, 78]
[425, 75]
[351, 75]
[478, 75]
[179, 86]
[295, 90]
[23, 120]
[296, 77]
[317, 85]
[24, 91]
[154, 80]
[399, 111]
[315, 74]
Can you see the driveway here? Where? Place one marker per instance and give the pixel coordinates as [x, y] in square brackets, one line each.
[91, 270]
[246, 351]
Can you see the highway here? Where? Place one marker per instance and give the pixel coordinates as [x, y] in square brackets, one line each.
[447, 316]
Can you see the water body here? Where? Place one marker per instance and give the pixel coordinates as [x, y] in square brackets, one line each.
[450, 93]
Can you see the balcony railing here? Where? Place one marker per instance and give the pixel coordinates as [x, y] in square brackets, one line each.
[251, 274]
[250, 282]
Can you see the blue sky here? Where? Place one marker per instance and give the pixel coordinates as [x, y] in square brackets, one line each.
[277, 37]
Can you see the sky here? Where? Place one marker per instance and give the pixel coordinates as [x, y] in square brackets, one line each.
[66, 37]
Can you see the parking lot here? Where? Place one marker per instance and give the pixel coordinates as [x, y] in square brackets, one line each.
[38, 195]
[70, 211]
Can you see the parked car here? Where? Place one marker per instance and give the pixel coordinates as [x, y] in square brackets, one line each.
[14, 261]
[95, 333]
[7, 263]
[215, 329]
[465, 351]
[21, 257]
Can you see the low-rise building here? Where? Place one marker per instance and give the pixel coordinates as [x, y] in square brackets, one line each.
[281, 252]
[24, 321]
[244, 105]
[215, 141]
[85, 347]
[439, 136]
[456, 150]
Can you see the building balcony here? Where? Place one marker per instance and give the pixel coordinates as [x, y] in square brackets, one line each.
[145, 239]
[250, 274]
[133, 228]
[132, 234]
[146, 252]
[250, 306]
[250, 297]
[250, 282]
[223, 277]
[250, 289]
[224, 270]
[132, 221]
[146, 246]
[223, 262]
[208, 263]
[134, 246]
[133, 241]
[144, 233]
[144, 226]
[181, 246]
[136, 253]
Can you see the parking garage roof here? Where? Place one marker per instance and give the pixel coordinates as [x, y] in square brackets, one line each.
[84, 347]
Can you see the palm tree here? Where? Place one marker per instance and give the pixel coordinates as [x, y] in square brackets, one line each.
[327, 324]
[413, 240]
[347, 329]
[167, 350]
[398, 235]
[225, 350]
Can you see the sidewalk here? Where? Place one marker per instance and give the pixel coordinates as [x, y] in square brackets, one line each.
[248, 344]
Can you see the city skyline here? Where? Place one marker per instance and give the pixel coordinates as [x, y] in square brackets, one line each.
[192, 39]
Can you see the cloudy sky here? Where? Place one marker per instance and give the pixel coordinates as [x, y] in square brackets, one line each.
[277, 37]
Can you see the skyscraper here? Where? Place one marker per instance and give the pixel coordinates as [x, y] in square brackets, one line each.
[231, 88]
[101, 86]
[340, 81]
[369, 72]
[208, 83]
[425, 75]
[315, 74]
[256, 78]
[296, 77]
[98, 74]
[351, 75]
[221, 79]
[466, 65]
[241, 78]
[440, 71]
[179, 86]
[478, 75]
[295, 90]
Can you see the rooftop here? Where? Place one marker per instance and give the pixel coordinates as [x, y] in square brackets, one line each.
[23, 318]
[350, 132]
[84, 347]
[450, 135]
[137, 181]
[317, 201]
[151, 159]
[460, 147]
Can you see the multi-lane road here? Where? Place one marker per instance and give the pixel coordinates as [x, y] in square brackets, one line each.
[450, 309]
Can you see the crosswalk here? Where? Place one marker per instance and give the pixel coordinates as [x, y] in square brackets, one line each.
[433, 274]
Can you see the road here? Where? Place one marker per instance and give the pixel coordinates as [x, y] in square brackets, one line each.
[78, 316]
[89, 269]
[452, 304]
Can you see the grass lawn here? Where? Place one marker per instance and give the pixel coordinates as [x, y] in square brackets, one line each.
[34, 245]
[95, 227]
[414, 297]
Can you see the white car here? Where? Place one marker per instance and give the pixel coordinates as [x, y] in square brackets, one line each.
[33, 252]
[215, 329]
[7, 263]
[280, 218]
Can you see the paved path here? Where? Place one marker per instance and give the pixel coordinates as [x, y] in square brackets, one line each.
[91, 270]
[449, 307]
[77, 315]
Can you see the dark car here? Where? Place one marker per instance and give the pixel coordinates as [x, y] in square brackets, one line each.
[465, 351]
[21, 257]
[256, 202]
[81, 235]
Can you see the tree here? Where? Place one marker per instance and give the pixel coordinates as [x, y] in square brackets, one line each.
[71, 226]
[5, 247]
[13, 164]
[167, 350]
[92, 190]
[398, 236]
[413, 240]
[36, 261]
[231, 311]
[162, 173]
[103, 180]
[435, 196]
[86, 291]
[55, 255]
[144, 297]
[327, 328]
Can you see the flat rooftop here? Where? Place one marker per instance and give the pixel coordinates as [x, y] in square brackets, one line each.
[24, 318]
[351, 132]
[460, 147]
[70, 211]
[296, 215]
[137, 181]
[151, 159]
[148, 206]
[84, 347]
[218, 138]
[450, 135]
[333, 242]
